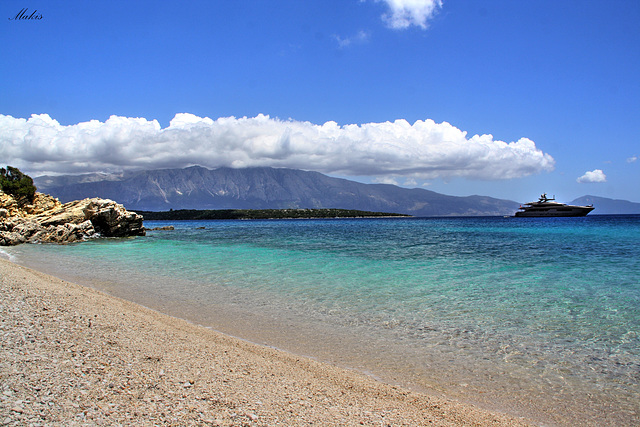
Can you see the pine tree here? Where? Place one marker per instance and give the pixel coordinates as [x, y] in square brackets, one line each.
[16, 183]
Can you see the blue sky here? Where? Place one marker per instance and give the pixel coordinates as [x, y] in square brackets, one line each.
[501, 98]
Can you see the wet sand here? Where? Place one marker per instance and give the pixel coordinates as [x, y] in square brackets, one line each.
[71, 355]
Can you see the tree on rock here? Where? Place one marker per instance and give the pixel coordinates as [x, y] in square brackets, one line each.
[19, 185]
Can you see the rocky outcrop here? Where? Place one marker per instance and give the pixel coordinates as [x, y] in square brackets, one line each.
[46, 220]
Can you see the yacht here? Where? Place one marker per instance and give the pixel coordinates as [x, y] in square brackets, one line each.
[549, 207]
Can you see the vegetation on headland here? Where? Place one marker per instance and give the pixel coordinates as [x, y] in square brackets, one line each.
[194, 214]
[17, 184]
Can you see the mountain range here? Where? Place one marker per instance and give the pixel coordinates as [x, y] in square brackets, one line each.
[266, 188]
[607, 206]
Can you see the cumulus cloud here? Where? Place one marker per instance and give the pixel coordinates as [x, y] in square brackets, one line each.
[405, 13]
[424, 150]
[593, 176]
[632, 159]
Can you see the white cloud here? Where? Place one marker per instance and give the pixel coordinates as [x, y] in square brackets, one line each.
[424, 150]
[593, 176]
[405, 13]
[632, 159]
[410, 183]
[360, 38]
[386, 180]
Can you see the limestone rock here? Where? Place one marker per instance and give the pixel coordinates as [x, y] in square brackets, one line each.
[165, 228]
[41, 203]
[9, 238]
[47, 220]
[9, 204]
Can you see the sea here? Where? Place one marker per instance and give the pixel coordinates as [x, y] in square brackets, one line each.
[535, 317]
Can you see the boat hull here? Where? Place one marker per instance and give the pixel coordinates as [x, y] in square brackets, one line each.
[555, 212]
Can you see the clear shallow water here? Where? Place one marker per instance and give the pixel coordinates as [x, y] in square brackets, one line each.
[537, 317]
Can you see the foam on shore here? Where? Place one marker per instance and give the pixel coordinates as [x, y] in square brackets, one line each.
[6, 255]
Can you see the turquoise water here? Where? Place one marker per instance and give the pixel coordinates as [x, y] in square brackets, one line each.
[536, 317]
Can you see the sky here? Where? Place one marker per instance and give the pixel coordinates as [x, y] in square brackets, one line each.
[500, 98]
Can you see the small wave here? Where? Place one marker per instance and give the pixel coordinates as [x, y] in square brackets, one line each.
[7, 256]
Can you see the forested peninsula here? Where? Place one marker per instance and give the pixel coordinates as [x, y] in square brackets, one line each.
[195, 214]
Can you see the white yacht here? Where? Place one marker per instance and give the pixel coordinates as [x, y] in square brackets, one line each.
[549, 207]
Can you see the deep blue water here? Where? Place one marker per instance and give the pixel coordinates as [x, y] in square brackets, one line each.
[529, 308]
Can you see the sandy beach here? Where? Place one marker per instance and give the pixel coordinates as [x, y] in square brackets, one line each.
[70, 355]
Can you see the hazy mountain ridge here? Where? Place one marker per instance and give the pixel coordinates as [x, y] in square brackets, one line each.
[605, 206]
[261, 188]
[270, 188]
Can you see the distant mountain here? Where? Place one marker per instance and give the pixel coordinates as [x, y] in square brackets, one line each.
[262, 188]
[604, 206]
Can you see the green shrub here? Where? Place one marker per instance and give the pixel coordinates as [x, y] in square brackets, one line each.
[19, 185]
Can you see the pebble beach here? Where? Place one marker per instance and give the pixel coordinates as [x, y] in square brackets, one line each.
[71, 355]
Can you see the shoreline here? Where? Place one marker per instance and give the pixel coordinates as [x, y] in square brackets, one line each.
[72, 354]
